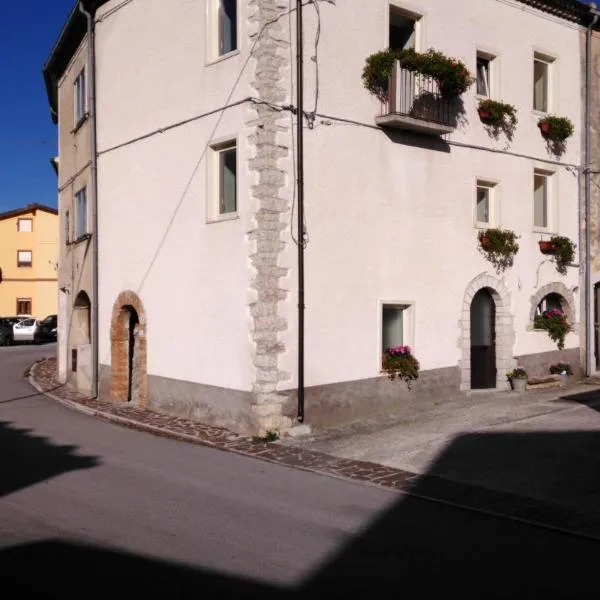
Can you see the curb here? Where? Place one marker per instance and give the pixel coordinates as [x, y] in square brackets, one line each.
[441, 491]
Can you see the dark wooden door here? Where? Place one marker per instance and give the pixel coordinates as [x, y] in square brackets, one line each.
[483, 341]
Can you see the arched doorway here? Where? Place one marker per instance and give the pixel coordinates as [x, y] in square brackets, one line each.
[483, 340]
[128, 350]
[503, 329]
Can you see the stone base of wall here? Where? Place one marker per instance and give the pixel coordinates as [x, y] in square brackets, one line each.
[209, 404]
[326, 406]
[537, 365]
[342, 403]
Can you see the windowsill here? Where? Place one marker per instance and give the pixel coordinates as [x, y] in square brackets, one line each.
[540, 113]
[225, 217]
[222, 58]
[479, 225]
[80, 123]
[544, 230]
[482, 97]
[24, 266]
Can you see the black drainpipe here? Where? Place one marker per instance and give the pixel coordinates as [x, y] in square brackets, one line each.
[300, 153]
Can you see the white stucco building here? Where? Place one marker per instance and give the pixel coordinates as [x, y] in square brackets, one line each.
[197, 296]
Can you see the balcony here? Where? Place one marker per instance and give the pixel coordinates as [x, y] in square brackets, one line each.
[415, 103]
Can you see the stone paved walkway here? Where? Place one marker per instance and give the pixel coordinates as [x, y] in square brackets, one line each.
[436, 489]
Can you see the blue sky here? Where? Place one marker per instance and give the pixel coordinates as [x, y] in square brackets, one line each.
[28, 30]
[28, 137]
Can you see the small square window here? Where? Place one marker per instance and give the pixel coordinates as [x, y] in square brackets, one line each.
[222, 27]
[485, 204]
[540, 200]
[80, 100]
[23, 306]
[484, 74]
[81, 225]
[67, 227]
[541, 83]
[403, 29]
[393, 326]
[223, 202]
[227, 26]
[25, 225]
[24, 258]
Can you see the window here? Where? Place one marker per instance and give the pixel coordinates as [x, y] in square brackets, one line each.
[397, 324]
[550, 302]
[541, 83]
[227, 26]
[24, 258]
[392, 326]
[223, 181]
[484, 74]
[540, 200]
[81, 226]
[485, 205]
[403, 29]
[80, 97]
[67, 227]
[23, 306]
[25, 225]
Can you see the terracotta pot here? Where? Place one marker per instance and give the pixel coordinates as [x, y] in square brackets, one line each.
[485, 115]
[547, 247]
[545, 128]
[485, 242]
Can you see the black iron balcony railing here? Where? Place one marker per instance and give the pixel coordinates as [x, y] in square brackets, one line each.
[416, 103]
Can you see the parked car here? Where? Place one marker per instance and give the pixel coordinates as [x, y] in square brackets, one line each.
[26, 330]
[47, 329]
[6, 332]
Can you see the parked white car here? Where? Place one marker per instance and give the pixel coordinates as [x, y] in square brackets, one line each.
[26, 330]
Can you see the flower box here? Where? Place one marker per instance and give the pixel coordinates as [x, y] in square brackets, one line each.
[547, 247]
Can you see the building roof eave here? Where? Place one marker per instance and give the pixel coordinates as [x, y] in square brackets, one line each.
[71, 36]
[30, 208]
[570, 10]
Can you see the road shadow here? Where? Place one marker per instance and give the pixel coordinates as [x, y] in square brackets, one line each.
[426, 546]
[590, 399]
[27, 459]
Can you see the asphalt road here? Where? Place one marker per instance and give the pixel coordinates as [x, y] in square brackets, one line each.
[87, 506]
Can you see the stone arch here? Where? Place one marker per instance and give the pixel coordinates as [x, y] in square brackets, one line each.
[128, 350]
[81, 320]
[567, 301]
[505, 332]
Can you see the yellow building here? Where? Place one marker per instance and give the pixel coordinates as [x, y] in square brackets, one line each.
[28, 261]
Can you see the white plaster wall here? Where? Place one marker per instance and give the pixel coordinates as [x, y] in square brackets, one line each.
[192, 277]
[389, 220]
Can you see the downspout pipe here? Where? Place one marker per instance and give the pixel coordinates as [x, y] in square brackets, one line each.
[300, 182]
[589, 324]
[94, 169]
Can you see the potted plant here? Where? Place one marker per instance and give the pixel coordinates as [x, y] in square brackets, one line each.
[556, 129]
[452, 75]
[546, 247]
[518, 379]
[563, 369]
[498, 115]
[554, 321]
[499, 246]
[564, 252]
[377, 72]
[399, 362]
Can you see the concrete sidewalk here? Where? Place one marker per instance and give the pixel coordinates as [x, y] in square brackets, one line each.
[542, 444]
